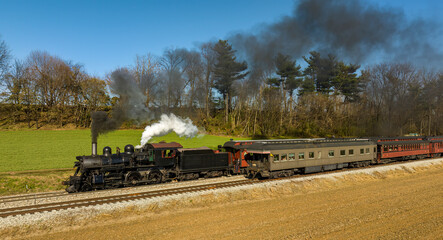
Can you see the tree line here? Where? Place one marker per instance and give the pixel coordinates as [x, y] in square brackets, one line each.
[325, 97]
[45, 89]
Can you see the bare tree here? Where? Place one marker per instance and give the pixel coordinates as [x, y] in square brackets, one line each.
[390, 89]
[22, 91]
[209, 58]
[5, 58]
[13, 81]
[430, 104]
[15, 84]
[194, 72]
[172, 63]
[268, 120]
[146, 72]
[51, 75]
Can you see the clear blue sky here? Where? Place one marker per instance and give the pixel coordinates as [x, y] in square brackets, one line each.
[104, 35]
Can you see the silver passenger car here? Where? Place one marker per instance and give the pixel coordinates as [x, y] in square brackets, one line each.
[279, 158]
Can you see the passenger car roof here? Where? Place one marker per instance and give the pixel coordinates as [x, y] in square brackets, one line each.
[296, 143]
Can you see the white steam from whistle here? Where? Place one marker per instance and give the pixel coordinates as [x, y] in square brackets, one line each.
[169, 123]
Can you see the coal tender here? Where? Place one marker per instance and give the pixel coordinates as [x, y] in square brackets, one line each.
[153, 163]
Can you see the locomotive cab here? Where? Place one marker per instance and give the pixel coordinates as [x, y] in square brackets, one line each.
[161, 154]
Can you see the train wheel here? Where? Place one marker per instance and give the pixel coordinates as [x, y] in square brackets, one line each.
[87, 184]
[133, 178]
[86, 187]
[155, 177]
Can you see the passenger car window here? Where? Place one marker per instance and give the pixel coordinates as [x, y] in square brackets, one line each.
[362, 150]
[351, 152]
[342, 152]
[284, 157]
[311, 155]
[367, 150]
[276, 157]
[291, 156]
[331, 153]
[301, 155]
[319, 154]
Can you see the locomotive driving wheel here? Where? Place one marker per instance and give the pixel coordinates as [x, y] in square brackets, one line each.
[87, 183]
[155, 177]
[86, 187]
[133, 178]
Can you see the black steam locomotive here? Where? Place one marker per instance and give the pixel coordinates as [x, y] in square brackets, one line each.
[153, 163]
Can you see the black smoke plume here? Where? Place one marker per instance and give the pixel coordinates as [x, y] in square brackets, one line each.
[101, 123]
[352, 30]
[131, 105]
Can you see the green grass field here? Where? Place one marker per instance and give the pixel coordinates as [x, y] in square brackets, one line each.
[51, 149]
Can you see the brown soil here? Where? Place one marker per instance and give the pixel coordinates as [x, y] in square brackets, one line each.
[394, 205]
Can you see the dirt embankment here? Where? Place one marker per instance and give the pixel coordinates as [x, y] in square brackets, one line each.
[393, 205]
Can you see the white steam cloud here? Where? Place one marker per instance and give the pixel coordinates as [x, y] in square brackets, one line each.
[167, 124]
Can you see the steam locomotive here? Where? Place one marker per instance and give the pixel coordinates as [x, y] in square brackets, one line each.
[153, 163]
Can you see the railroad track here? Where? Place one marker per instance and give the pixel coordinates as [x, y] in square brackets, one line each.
[47, 207]
[35, 196]
[45, 195]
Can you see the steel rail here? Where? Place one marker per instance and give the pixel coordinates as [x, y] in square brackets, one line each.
[117, 198]
[31, 196]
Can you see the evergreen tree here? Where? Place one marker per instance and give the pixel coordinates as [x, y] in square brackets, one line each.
[289, 72]
[307, 86]
[227, 70]
[321, 70]
[346, 81]
[330, 75]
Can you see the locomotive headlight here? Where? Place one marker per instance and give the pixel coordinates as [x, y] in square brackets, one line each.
[254, 165]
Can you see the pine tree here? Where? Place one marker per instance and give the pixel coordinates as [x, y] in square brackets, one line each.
[289, 72]
[226, 71]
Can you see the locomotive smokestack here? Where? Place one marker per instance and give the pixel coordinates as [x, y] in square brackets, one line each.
[94, 148]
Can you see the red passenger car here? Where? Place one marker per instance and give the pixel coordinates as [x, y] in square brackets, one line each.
[436, 146]
[402, 148]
